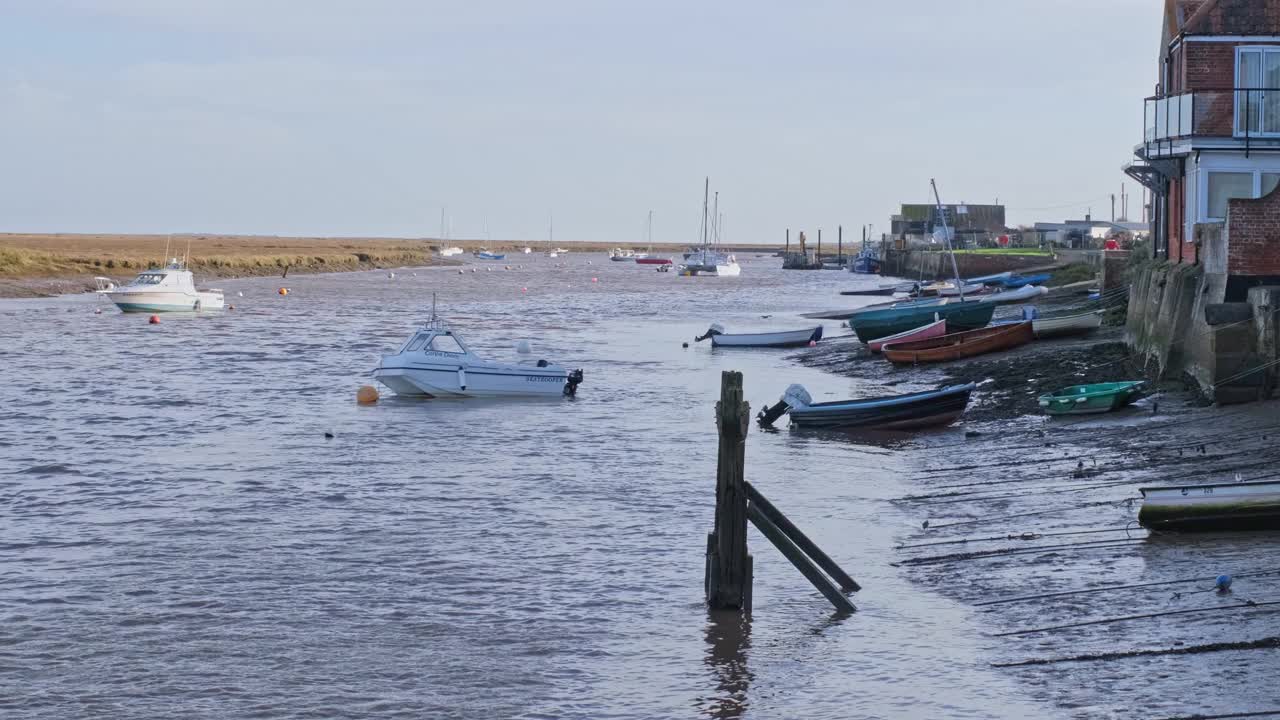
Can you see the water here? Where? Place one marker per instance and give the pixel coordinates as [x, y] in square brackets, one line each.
[181, 540]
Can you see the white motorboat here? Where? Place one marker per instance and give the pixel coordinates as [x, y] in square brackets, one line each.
[171, 289]
[527, 250]
[451, 251]
[711, 263]
[435, 363]
[776, 339]
[1253, 505]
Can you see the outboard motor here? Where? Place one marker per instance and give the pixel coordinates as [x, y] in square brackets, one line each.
[573, 381]
[795, 397]
[716, 329]
[1030, 312]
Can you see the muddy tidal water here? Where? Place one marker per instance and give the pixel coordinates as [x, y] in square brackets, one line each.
[179, 539]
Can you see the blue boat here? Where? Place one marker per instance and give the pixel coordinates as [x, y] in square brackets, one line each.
[486, 255]
[866, 263]
[1017, 281]
[898, 412]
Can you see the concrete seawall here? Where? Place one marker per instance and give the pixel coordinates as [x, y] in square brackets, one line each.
[937, 265]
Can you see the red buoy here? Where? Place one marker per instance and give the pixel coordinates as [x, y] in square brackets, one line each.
[155, 320]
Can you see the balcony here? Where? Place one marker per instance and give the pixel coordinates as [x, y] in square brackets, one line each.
[1239, 116]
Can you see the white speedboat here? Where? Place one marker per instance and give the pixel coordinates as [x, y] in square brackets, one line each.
[527, 250]
[435, 363]
[451, 251]
[171, 289]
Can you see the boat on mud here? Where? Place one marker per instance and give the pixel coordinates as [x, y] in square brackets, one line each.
[1067, 325]
[908, 288]
[937, 328]
[957, 346]
[776, 339]
[1022, 294]
[1013, 282]
[169, 289]
[875, 323]
[1212, 507]
[913, 411]
[1092, 399]
[435, 363]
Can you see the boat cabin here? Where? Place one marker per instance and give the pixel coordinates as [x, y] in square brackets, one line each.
[434, 337]
[172, 277]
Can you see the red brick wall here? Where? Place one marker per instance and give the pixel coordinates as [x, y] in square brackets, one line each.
[1209, 65]
[1253, 236]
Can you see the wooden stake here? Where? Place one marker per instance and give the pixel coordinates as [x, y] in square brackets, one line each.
[728, 565]
[797, 558]
[801, 540]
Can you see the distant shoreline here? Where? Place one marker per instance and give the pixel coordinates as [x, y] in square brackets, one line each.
[48, 264]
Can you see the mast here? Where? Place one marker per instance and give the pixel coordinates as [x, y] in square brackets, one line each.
[167, 240]
[649, 231]
[715, 220]
[706, 192]
[946, 236]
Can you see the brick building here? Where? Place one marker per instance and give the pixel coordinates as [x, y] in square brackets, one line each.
[1211, 150]
[969, 224]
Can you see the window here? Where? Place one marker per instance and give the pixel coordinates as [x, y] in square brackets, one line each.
[445, 344]
[1269, 182]
[1258, 91]
[1224, 186]
[416, 344]
[148, 279]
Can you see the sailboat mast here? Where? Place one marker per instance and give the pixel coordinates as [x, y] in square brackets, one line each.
[946, 236]
[706, 194]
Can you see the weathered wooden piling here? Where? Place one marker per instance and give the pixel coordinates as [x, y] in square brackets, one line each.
[729, 567]
[728, 564]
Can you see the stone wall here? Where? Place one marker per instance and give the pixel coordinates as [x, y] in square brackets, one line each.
[937, 265]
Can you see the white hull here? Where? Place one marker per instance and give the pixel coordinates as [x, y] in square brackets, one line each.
[432, 380]
[787, 338]
[154, 301]
[450, 252]
[1072, 325]
[951, 291]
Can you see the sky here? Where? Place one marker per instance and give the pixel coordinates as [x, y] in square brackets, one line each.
[377, 117]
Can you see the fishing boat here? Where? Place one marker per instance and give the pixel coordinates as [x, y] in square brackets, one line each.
[451, 251]
[486, 255]
[937, 328]
[1092, 399]
[873, 324]
[957, 346]
[1067, 325]
[1212, 507]
[435, 363]
[898, 412]
[169, 289]
[866, 263]
[776, 339]
[620, 255]
[1021, 294]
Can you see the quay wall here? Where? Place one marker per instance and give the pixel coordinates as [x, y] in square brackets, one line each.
[937, 265]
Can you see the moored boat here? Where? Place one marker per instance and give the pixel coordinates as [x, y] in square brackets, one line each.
[653, 261]
[776, 339]
[451, 251]
[1067, 324]
[956, 346]
[1212, 507]
[169, 289]
[866, 263]
[937, 328]
[913, 411]
[435, 363]
[1014, 282]
[873, 324]
[486, 255]
[1092, 399]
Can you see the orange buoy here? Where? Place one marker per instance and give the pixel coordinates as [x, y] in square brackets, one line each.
[367, 395]
[155, 320]
[284, 291]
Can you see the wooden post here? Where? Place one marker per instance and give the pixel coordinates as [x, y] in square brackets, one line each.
[728, 568]
[788, 241]
[801, 540]
[840, 244]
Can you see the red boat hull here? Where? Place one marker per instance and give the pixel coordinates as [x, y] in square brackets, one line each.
[652, 261]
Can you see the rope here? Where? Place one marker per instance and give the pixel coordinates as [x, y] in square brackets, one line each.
[1065, 593]
[1107, 621]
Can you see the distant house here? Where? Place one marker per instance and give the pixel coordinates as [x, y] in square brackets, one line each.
[1211, 150]
[969, 224]
[1087, 233]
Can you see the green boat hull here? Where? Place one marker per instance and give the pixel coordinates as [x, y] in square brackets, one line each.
[1092, 399]
[871, 326]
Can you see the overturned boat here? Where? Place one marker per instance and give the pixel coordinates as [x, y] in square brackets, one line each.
[914, 411]
[777, 339]
[435, 363]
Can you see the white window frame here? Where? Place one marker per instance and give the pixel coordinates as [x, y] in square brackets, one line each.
[1202, 183]
[1241, 96]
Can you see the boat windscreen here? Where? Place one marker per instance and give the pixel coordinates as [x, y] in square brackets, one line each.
[149, 279]
[445, 344]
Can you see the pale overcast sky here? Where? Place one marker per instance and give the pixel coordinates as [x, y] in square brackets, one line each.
[365, 117]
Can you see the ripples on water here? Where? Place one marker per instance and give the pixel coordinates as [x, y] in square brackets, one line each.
[180, 540]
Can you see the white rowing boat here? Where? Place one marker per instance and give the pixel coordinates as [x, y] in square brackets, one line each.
[777, 339]
[1067, 325]
[1026, 292]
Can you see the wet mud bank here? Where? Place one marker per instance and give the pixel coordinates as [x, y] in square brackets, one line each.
[1030, 522]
